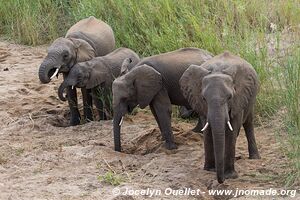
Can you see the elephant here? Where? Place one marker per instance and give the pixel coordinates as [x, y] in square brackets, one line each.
[99, 72]
[86, 39]
[223, 90]
[154, 81]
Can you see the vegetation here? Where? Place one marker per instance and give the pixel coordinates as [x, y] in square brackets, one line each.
[252, 29]
[104, 95]
[111, 178]
[291, 90]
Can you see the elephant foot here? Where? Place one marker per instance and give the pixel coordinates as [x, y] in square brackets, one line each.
[89, 119]
[254, 156]
[88, 116]
[170, 145]
[232, 174]
[74, 121]
[210, 169]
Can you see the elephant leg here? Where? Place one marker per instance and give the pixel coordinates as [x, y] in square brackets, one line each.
[249, 130]
[87, 104]
[230, 143]
[200, 124]
[209, 163]
[156, 118]
[73, 105]
[162, 107]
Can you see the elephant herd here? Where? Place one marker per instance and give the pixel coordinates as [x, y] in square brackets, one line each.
[220, 89]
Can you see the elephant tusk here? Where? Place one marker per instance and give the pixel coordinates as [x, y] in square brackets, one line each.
[205, 127]
[72, 87]
[229, 125]
[120, 124]
[55, 73]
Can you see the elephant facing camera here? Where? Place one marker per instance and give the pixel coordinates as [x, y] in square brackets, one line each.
[223, 90]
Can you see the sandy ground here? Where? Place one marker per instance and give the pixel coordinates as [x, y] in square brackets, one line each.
[41, 158]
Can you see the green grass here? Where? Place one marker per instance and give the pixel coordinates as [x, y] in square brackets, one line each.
[151, 27]
[111, 178]
[105, 95]
[292, 102]
[19, 151]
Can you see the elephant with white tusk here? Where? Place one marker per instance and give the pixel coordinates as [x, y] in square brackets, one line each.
[98, 74]
[223, 89]
[86, 39]
[154, 81]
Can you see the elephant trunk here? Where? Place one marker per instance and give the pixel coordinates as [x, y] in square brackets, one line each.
[61, 90]
[217, 118]
[47, 69]
[119, 112]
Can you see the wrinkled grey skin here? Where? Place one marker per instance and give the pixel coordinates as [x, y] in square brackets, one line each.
[223, 89]
[154, 81]
[86, 39]
[99, 72]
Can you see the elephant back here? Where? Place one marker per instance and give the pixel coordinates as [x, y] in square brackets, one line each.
[96, 32]
[115, 59]
[172, 65]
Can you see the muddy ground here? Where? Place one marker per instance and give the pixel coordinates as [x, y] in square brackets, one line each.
[42, 158]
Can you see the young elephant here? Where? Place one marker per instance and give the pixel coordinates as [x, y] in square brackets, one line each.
[154, 81]
[99, 71]
[223, 90]
[86, 39]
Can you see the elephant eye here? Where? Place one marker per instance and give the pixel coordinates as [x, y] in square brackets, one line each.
[65, 55]
[229, 96]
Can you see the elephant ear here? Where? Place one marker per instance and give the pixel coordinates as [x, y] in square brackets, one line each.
[124, 67]
[191, 86]
[246, 87]
[98, 75]
[147, 82]
[84, 50]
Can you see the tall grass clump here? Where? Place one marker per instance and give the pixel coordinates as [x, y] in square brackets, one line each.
[292, 102]
[33, 22]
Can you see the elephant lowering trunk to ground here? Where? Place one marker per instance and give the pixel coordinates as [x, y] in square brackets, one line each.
[154, 81]
[86, 39]
[98, 74]
[223, 90]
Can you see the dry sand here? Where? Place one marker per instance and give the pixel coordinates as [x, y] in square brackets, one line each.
[42, 158]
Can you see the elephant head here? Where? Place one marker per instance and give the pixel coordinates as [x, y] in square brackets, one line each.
[211, 93]
[86, 74]
[62, 55]
[136, 87]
